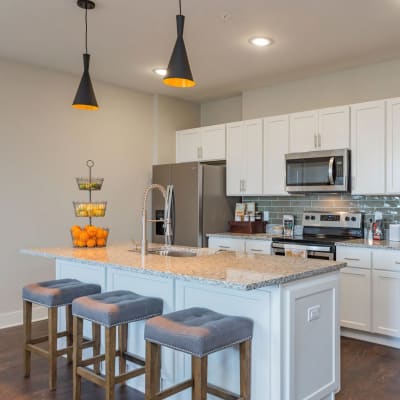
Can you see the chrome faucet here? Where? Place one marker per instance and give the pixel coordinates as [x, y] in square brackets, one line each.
[167, 194]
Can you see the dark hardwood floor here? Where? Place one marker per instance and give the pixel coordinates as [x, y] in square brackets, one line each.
[369, 372]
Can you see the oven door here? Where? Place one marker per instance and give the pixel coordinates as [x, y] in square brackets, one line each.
[317, 171]
[316, 252]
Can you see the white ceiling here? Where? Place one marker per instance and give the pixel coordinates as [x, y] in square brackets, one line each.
[127, 38]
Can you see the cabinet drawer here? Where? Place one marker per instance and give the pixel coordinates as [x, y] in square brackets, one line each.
[354, 256]
[258, 246]
[388, 260]
[227, 244]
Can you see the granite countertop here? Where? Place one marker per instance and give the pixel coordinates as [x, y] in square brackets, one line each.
[228, 269]
[254, 236]
[372, 244]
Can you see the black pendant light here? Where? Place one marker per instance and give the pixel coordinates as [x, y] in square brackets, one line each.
[178, 72]
[85, 98]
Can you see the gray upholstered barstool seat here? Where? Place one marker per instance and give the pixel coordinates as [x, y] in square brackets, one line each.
[198, 332]
[52, 294]
[112, 310]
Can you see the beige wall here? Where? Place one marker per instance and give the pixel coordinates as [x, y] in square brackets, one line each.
[345, 87]
[44, 145]
[172, 115]
[221, 111]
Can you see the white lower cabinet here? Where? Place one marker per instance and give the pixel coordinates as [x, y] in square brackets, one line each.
[248, 246]
[355, 298]
[386, 300]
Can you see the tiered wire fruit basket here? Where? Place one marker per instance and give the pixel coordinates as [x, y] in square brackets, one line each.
[89, 235]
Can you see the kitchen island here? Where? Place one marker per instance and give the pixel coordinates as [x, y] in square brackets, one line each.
[293, 302]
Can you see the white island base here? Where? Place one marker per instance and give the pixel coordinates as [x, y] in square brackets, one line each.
[295, 349]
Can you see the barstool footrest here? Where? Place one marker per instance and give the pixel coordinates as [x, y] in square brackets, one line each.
[129, 375]
[174, 389]
[222, 393]
[91, 376]
[133, 358]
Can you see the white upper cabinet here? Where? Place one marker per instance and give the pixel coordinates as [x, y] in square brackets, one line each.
[368, 147]
[244, 158]
[303, 132]
[393, 146]
[325, 129]
[276, 145]
[334, 128]
[201, 144]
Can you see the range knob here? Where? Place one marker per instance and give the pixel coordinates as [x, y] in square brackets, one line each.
[307, 217]
[347, 219]
[313, 217]
[354, 219]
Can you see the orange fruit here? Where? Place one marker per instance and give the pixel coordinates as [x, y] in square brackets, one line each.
[92, 231]
[83, 237]
[91, 243]
[101, 242]
[105, 233]
[75, 242]
[99, 233]
[80, 243]
[75, 227]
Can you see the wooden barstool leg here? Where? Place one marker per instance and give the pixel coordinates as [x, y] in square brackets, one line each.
[96, 329]
[245, 370]
[110, 362]
[153, 370]
[199, 376]
[69, 329]
[122, 344]
[53, 312]
[27, 318]
[77, 356]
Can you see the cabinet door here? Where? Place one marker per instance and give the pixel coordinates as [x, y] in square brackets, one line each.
[386, 300]
[253, 138]
[213, 143]
[188, 145]
[355, 298]
[303, 132]
[235, 159]
[223, 243]
[276, 145]
[393, 145]
[334, 128]
[368, 148]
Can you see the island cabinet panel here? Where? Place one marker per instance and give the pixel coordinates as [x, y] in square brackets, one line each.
[88, 273]
[224, 365]
[152, 286]
[312, 336]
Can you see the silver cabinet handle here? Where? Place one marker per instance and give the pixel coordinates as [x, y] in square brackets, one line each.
[351, 259]
[353, 273]
[319, 140]
[257, 250]
[223, 247]
[315, 140]
[244, 185]
[241, 186]
[397, 262]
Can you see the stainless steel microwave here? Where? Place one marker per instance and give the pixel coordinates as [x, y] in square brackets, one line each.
[318, 171]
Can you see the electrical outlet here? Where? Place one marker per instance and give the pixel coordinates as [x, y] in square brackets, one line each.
[314, 313]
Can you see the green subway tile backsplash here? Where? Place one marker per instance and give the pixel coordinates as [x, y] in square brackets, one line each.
[297, 204]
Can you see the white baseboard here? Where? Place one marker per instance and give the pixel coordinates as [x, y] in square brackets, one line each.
[14, 318]
[371, 337]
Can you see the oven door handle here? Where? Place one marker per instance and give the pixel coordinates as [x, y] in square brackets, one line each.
[330, 170]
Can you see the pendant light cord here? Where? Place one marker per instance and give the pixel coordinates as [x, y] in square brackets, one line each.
[180, 7]
[86, 27]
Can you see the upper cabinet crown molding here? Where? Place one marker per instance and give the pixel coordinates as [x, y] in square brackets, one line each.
[201, 144]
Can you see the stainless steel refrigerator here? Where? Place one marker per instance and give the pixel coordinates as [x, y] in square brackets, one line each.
[199, 204]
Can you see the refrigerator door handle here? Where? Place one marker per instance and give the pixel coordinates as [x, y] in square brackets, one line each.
[173, 217]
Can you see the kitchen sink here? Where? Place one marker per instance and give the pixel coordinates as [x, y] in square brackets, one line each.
[169, 252]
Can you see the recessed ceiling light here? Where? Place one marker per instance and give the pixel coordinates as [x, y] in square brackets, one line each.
[160, 71]
[260, 41]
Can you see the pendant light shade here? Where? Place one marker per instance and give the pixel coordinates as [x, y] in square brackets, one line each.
[85, 98]
[179, 73]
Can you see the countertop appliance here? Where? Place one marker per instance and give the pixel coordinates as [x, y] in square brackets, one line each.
[321, 231]
[199, 202]
[318, 171]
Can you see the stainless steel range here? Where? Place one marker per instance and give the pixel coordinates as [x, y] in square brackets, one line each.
[321, 231]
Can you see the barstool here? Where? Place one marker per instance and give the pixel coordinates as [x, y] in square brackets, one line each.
[198, 332]
[52, 294]
[111, 310]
